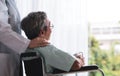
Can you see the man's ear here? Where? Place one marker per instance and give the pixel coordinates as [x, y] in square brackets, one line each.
[41, 33]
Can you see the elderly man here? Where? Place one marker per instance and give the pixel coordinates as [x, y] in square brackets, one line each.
[36, 24]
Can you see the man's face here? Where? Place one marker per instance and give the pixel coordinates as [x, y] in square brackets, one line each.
[49, 30]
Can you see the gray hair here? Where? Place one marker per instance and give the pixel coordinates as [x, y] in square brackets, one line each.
[34, 23]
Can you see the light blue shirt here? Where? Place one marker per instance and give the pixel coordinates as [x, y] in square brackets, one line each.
[55, 58]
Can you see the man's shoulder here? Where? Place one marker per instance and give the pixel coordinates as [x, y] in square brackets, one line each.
[48, 47]
[42, 47]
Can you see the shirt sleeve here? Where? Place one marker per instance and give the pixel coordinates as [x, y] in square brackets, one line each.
[7, 36]
[57, 58]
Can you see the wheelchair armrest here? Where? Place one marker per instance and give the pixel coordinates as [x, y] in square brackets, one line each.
[89, 68]
[84, 68]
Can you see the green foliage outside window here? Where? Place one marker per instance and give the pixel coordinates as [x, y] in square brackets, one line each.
[105, 59]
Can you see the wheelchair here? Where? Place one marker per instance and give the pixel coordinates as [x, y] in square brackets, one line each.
[32, 64]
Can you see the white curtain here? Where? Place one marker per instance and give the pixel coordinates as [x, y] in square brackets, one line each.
[70, 32]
